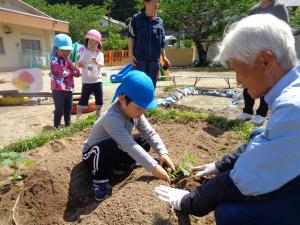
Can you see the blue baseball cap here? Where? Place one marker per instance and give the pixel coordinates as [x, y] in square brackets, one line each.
[137, 86]
[63, 42]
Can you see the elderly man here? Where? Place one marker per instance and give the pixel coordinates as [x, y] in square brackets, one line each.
[260, 182]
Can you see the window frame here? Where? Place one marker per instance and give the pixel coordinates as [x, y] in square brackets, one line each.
[23, 41]
[2, 49]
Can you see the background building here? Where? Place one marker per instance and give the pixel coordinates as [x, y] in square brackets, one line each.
[26, 35]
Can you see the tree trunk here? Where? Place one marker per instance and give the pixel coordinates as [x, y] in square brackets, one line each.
[202, 53]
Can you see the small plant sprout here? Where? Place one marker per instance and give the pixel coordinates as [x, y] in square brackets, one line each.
[184, 167]
[14, 159]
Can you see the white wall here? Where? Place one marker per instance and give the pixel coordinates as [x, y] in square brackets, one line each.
[12, 44]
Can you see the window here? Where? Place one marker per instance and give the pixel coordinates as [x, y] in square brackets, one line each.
[31, 46]
[2, 51]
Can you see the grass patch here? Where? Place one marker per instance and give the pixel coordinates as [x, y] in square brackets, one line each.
[49, 135]
[242, 129]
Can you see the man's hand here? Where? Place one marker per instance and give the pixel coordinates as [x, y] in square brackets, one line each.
[172, 196]
[160, 173]
[165, 160]
[206, 170]
[166, 62]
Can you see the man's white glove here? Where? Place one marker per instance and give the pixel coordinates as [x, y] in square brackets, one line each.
[206, 170]
[172, 196]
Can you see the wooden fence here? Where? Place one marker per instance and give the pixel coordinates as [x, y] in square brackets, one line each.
[116, 57]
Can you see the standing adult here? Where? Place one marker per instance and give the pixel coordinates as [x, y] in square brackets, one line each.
[146, 40]
[277, 9]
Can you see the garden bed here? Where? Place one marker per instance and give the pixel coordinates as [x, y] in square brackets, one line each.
[56, 189]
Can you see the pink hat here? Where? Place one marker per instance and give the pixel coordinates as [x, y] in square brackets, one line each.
[94, 35]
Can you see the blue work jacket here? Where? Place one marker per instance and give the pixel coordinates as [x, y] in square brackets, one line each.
[149, 36]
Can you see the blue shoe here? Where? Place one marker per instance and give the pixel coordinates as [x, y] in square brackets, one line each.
[102, 190]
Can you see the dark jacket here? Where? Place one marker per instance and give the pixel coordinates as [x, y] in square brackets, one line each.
[149, 36]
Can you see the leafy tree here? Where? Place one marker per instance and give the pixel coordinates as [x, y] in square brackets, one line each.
[123, 10]
[114, 42]
[77, 2]
[80, 19]
[204, 21]
[117, 9]
[295, 18]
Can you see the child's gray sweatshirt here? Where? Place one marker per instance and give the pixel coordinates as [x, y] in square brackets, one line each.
[118, 127]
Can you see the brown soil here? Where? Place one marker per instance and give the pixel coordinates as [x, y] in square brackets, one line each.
[57, 190]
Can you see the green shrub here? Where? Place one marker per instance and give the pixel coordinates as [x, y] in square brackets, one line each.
[188, 43]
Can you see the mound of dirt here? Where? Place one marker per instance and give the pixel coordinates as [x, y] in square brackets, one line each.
[57, 189]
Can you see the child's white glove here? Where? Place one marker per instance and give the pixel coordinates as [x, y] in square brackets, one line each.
[206, 170]
[172, 196]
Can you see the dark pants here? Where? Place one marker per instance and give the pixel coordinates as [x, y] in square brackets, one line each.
[277, 208]
[105, 156]
[63, 101]
[151, 68]
[87, 90]
[249, 103]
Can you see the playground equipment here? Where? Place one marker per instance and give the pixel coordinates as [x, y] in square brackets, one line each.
[226, 78]
[8, 100]
[164, 71]
[117, 78]
[90, 108]
[164, 74]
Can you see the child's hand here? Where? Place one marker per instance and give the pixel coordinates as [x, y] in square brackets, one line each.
[73, 67]
[160, 173]
[165, 160]
[80, 64]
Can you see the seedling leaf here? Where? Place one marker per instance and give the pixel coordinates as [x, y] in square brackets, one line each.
[8, 162]
[28, 164]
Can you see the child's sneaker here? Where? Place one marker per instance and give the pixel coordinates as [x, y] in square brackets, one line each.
[244, 116]
[124, 168]
[102, 190]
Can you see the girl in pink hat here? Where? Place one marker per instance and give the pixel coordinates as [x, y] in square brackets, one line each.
[91, 64]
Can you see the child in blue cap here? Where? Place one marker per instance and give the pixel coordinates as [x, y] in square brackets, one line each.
[110, 148]
[62, 79]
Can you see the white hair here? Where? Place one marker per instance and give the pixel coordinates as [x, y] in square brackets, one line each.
[254, 34]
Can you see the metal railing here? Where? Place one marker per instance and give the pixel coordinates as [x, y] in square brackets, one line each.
[42, 60]
[35, 60]
[116, 57]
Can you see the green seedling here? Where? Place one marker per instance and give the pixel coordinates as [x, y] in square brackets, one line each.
[184, 167]
[14, 159]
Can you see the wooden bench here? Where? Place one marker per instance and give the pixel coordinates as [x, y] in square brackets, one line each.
[198, 78]
[173, 77]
